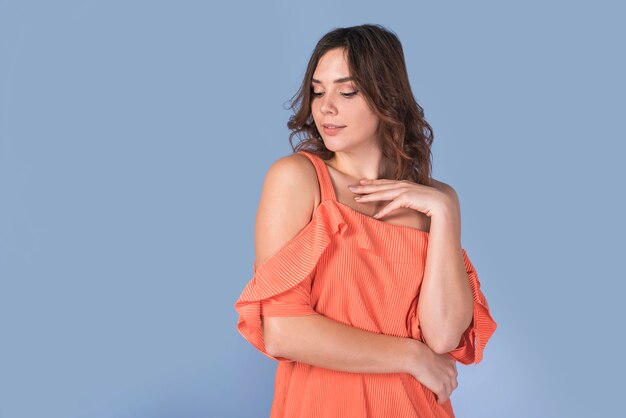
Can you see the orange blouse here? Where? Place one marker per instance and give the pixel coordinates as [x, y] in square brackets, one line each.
[365, 273]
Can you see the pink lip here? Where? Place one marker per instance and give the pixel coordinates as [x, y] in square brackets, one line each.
[332, 131]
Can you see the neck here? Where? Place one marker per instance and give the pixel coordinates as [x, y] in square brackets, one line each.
[370, 165]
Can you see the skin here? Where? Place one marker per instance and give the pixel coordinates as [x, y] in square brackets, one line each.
[289, 197]
[446, 296]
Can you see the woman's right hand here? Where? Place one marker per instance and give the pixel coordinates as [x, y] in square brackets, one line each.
[437, 372]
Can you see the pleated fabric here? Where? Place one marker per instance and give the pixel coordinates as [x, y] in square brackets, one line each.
[365, 273]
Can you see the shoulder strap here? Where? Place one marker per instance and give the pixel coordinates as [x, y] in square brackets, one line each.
[326, 186]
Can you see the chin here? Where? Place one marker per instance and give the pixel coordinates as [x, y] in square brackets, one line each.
[332, 145]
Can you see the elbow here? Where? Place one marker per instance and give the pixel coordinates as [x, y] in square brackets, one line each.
[442, 338]
[452, 341]
[271, 337]
[443, 345]
[272, 350]
[283, 336]
[270, 346]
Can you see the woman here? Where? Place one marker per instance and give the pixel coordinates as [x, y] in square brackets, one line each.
[361, 288]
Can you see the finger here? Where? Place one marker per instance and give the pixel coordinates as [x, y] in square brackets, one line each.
[387, 194]
[441, 399]
[369, 188]
[395, 204]
[377, 181]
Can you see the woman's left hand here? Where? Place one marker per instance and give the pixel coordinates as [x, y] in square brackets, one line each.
[403, 194]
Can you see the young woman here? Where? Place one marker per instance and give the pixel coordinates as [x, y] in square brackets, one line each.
[361, 289]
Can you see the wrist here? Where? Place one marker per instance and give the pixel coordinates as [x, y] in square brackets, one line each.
[413, 357]
[443, 209]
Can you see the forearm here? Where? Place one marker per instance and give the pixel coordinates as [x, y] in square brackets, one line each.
[323, 342]
[445, 303]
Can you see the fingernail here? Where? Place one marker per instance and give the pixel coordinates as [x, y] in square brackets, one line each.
[351, 187]
[376, 215]
[357, 197]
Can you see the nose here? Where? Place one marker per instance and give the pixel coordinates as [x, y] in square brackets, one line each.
[327, 106]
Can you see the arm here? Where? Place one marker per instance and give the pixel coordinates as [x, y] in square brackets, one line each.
[323, 342]
[286, 206]
[445, 306]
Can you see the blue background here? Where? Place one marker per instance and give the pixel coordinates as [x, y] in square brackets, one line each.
[134, 139]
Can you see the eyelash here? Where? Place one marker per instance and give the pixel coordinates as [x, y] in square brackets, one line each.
[348, 95]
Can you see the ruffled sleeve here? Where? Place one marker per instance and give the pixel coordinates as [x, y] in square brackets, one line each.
[482, 327]
[281, 285]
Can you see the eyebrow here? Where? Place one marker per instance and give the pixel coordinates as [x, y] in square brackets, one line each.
[337, 81]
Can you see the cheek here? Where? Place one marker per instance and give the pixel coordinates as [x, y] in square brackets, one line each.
[314, 107]
[367, 120]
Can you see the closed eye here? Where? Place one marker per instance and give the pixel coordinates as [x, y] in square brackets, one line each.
[351, 94]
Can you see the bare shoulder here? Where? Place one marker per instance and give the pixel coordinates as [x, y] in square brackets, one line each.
[292, 177]
[287, 202]
[446, 189]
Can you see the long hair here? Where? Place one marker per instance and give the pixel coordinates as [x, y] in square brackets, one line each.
[376, 61]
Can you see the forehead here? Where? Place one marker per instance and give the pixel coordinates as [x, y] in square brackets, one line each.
[332, 67]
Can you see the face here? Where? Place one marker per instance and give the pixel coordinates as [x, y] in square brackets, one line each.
[341, 104]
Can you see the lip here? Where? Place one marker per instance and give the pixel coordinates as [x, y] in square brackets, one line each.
[332, 131]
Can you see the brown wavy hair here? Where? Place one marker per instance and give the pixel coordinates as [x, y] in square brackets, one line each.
[376, 61]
